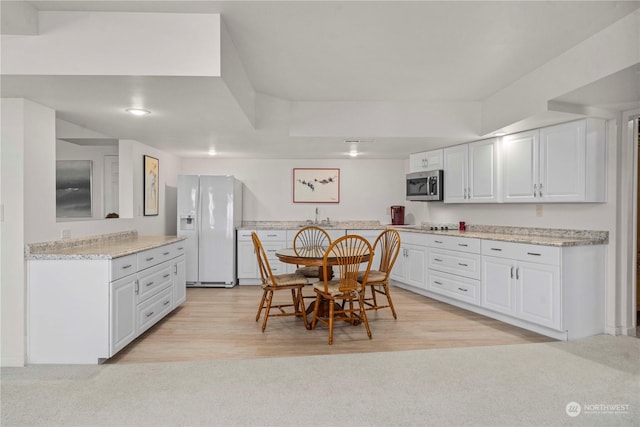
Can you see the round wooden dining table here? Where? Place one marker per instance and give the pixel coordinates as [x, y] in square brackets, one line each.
[313, 257]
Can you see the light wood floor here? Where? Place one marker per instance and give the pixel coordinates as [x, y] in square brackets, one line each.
[220, 324]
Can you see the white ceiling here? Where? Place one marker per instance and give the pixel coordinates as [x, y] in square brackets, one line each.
[332, 51]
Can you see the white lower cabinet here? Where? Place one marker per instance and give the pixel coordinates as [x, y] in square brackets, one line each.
[271, 240]
[85, 311]
[556, 291]
[410, 267]
[557, 288]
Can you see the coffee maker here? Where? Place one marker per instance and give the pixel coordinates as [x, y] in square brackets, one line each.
[397, 215]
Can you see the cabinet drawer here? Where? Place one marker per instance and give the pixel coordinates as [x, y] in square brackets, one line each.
[245, 234]
[150, 257]
[522, 252]
[455, 262]
[267, 235]
[460, 288]
[152, 280]
[152, 310]
[123, 266]
[413, 238]
[454, 243]
[178, 248]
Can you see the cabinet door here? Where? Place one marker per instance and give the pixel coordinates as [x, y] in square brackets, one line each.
[179, 281]
[415, 266]
[483, 176]
[520, 166]
[498, 284]
[247, 261]
[538, 293]
[398, 272]
[425, 161]
[562, 162]
[456, 164]
[122, 324]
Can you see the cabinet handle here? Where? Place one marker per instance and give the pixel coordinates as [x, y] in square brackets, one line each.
[465, 194]
[180, 248]
[175, 268]
[149, 284]
[512, 272]
[124, 267]
[149, 259]
[496, 249]
[166, 275]
[165, 253]
[167, 302]
[535, 188]
[438, 241]
[463, 265]
[463, 289]
[437, 259]
[464, 245]
[149, 314]
[540, 190]
[469, 193]
[137, 286]
[533, 254]
[271, 235]
[437, 283]
[518, 273]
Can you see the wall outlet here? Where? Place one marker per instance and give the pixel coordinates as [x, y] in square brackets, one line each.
[66, 234]
[539, 210]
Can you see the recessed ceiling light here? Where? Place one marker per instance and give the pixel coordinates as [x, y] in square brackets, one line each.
[138, 111]
[500, 134]
[353, 153]
[212, 152]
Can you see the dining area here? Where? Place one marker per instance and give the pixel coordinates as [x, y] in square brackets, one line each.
[341, 274]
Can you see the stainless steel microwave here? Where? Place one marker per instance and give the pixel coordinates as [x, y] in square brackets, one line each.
[425, 186]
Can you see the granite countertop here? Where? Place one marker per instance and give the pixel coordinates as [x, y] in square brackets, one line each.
[535, 236]
[105, 246]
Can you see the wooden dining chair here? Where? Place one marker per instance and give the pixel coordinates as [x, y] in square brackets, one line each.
[349, 252]
[272, 283]
[387, 244]
[311, 237]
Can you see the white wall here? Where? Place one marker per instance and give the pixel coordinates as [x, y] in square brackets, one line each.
[367, 187]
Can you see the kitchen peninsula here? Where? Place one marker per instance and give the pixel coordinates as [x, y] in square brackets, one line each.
[89, 297]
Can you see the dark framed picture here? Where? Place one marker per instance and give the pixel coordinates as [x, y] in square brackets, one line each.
[151, 168]
[73, 188]
[319, 185]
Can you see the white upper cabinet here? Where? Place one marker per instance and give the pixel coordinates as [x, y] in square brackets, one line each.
[562, 163]
[425, 161]
[470, 172]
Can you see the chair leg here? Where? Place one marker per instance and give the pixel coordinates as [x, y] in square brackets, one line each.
[301, 309]
[314, 320]
[373, 292]
[331, 310]
[261, 306]
[386, 290]
[363, 315]
[266, 315]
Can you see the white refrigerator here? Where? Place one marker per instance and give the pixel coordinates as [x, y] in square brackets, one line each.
[209, 211]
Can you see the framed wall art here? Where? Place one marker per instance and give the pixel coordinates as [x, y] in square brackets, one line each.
[320, 185]
[151, 195]
[73, 188]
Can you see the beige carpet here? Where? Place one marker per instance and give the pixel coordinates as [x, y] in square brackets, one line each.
[511, 385]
